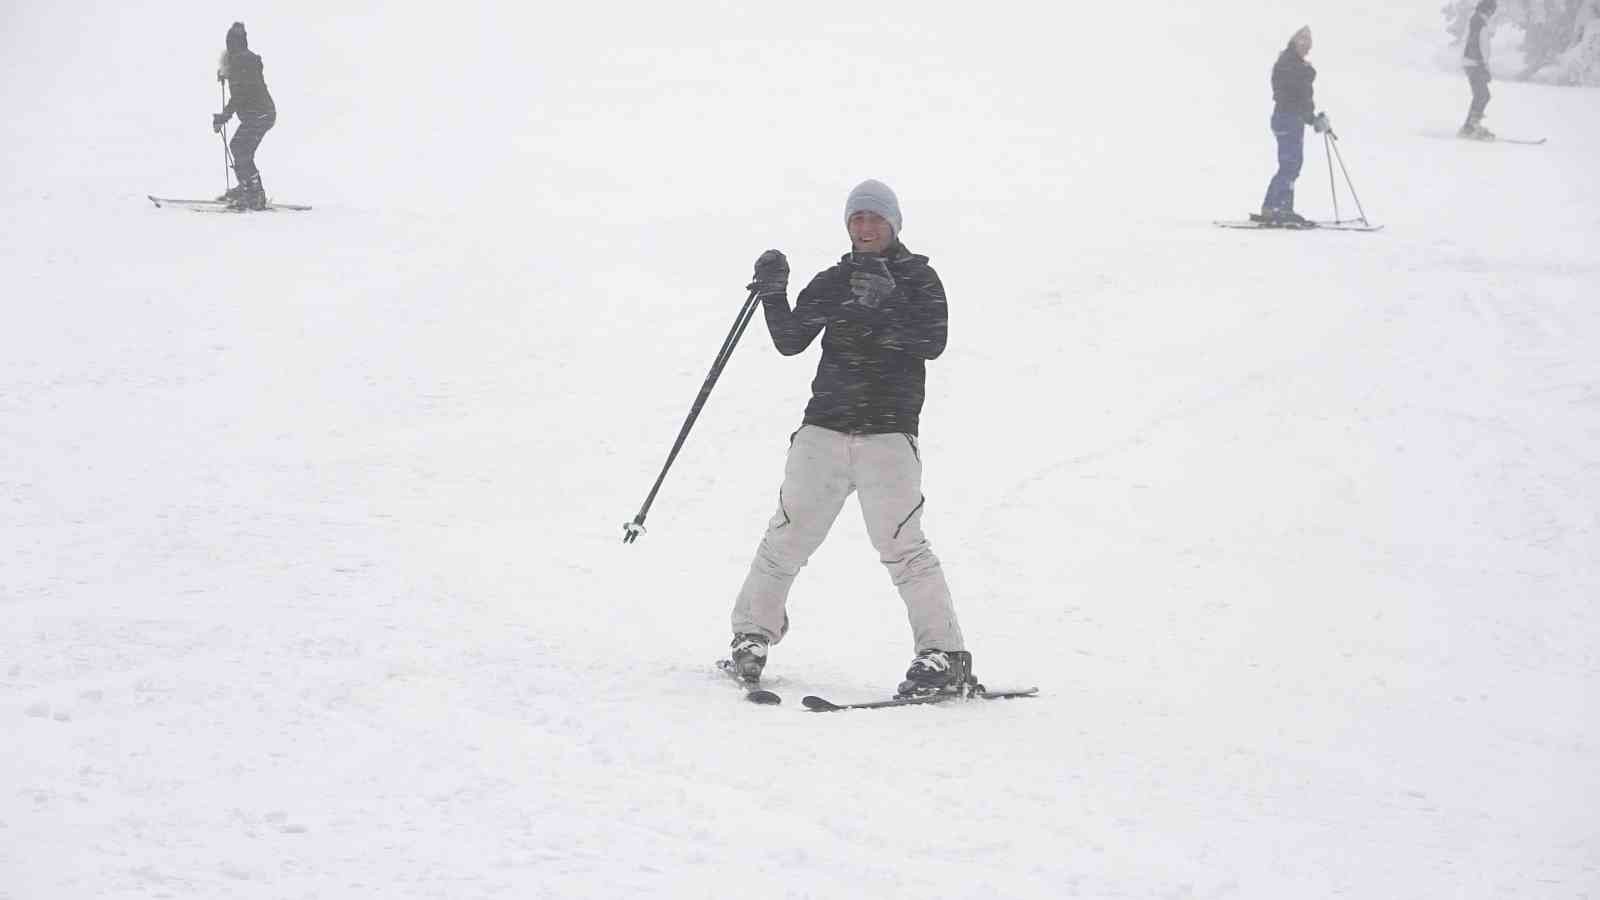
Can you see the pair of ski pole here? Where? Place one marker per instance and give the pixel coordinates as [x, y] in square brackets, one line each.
[1330, 144]
[632, 530]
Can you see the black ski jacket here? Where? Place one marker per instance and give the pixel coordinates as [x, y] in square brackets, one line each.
[247, 87]
[1291, 86]
[871, 378]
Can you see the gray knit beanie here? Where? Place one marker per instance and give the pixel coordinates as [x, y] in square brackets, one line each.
[874, 196]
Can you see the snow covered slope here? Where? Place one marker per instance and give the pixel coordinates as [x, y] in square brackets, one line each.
[312, 582]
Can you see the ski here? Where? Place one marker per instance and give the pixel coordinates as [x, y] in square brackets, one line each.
[818, 704]
[753, 691]
[1315, 226]
[218, 205]
[1526, 142]
[1264, 226]
[237, 210]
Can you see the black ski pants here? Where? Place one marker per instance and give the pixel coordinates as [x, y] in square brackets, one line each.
[1478, 77]
[253, 126]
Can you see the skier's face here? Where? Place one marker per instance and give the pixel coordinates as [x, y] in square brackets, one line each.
[870, 232]
[1302, 44]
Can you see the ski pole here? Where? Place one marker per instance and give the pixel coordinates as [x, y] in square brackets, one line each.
[1348, 183]
[227, 161]
[227, 155]
[632, 530]
[1327, 150]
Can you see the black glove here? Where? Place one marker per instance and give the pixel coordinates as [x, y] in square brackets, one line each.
[221, 77]
[870, 281]
[218, 121]
[1321, 123]
[771, 275]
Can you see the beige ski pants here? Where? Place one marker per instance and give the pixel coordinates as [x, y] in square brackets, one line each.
[823, 468]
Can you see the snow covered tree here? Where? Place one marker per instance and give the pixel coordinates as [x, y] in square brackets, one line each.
[1579, 63]
[1560, 38]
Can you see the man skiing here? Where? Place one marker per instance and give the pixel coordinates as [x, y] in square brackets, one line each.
[882, 315]
[1293, 109]
[248, 97]
[1476, 63]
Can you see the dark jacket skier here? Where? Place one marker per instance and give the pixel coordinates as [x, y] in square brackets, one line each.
[882, 315]
[871, 377]
[1475, 61]
[1292, 81]
[250, 100]
[1293, 108]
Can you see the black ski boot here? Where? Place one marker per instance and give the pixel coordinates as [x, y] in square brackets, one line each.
[254, 196]
[232, 193]
[749, 656]
[938, 672]
[1282, 218]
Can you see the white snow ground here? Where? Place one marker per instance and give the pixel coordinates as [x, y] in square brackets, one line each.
[310, 570]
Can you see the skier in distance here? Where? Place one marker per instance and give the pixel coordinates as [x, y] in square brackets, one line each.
[1476, 63]
[1292, 110]
[249, 98]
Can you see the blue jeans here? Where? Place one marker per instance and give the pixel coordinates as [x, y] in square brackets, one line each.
[1290, 130]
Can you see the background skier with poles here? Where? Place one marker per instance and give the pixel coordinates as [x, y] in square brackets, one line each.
[242, 70]
[882, 315]
[1293, 109]
[1476, 63]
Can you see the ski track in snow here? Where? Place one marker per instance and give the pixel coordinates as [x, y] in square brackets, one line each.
[313, 583]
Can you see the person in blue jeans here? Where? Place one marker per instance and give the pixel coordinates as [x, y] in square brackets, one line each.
[1293, 109]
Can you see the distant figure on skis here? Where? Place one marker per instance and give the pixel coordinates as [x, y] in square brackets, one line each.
[1475, 60]
[881, 313]
[1293, 109]
[247, 96]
